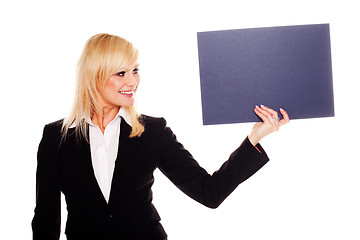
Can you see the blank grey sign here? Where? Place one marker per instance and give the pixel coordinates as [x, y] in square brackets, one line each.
[287, 67]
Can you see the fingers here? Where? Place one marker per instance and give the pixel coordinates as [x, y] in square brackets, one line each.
[272, 116]
[270, 123]
[273, 113]
[285, 119]
[268, 119]
[262, 116]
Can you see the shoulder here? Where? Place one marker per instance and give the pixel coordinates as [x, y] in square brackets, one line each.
[152, 123]
[52, 132]
[50, 141]
[55, 124]
[157, 128]
[53, 128]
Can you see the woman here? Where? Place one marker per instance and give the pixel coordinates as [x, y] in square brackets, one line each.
[102, 157]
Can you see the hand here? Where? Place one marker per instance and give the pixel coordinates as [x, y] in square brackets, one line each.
[270, 123]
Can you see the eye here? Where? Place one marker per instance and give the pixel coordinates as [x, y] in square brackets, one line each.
[120, 74]
[136, 71]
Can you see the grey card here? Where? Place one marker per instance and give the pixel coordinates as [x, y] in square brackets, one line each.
[287, 67]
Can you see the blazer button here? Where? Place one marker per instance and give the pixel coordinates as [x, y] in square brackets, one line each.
[110, 218]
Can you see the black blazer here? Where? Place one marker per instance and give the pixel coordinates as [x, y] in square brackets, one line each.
[129, 214]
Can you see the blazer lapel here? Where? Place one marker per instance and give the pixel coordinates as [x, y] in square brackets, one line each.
[123, 159]
[85, 169]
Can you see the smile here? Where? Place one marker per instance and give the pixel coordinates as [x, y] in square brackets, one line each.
[127, 93]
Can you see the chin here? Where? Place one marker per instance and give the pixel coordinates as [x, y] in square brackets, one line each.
[126, 104]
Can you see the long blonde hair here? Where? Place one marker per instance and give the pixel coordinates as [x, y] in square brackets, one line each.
[103, 55]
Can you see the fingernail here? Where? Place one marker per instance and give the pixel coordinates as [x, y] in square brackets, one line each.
[262, 106]
[281, 109]
[256, 106]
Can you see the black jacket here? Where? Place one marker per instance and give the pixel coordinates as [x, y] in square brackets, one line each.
[129, 214]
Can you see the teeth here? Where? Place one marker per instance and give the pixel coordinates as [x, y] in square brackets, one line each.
[128, 93]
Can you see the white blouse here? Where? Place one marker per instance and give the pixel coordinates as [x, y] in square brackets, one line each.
[104, 149]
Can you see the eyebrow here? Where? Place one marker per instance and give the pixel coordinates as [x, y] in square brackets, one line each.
[128, 69]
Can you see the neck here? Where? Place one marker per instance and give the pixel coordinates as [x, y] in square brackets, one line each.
[103, 117]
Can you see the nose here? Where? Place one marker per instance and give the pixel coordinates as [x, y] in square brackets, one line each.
[131, 81]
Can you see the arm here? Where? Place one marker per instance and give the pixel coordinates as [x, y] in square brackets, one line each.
[46, 221]
[210, 190]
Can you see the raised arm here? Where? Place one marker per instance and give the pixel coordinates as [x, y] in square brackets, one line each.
[210, 190]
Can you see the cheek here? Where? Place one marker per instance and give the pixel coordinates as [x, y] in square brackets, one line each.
[111, 84]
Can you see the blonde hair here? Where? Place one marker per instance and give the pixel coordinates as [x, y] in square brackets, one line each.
[103, 55]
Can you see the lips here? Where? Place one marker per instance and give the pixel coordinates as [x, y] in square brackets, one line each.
[127, 93]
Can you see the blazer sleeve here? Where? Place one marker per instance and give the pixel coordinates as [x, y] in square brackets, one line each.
[210, 190]
[46, 221]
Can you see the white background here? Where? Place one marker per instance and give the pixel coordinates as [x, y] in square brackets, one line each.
[309, 189]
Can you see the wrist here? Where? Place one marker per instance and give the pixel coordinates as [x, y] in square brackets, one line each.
[253, 139]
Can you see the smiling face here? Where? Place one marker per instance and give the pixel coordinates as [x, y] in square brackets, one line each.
[120, 88]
